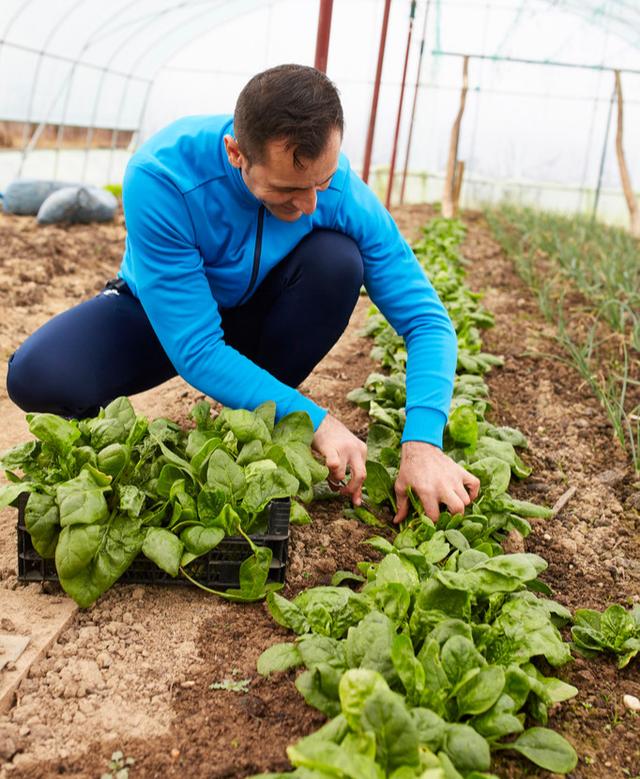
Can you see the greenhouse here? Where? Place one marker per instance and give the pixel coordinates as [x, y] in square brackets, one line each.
[320, 419]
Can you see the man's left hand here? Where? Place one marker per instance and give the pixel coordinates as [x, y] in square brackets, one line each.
[434, 478]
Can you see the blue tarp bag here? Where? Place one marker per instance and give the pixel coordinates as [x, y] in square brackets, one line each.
[78, 204]
[25, 196]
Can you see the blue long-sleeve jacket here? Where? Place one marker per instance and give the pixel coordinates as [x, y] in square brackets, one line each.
[191, 234]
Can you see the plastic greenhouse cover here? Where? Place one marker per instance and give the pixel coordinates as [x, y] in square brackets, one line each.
[137, 66]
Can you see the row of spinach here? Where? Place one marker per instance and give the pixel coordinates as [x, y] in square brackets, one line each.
[104, 489]
[431, 666]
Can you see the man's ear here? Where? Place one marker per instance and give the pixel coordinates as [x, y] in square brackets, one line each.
[233, 151]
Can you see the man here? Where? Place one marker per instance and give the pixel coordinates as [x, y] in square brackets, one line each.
[248, 239]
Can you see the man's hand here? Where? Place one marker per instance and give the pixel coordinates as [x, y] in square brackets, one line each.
[434, 478]
[341, 449]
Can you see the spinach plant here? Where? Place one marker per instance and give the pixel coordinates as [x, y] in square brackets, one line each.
[103, 490]
[432, 665]
[615, 630]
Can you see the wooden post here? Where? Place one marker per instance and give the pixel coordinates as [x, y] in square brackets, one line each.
[376, 93]
[629, 195]
[453, 179]
[457, 185]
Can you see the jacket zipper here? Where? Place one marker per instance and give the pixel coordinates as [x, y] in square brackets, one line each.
[256, 256]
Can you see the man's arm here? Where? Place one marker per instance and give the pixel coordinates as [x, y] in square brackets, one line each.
[172, 286]
[399, 287]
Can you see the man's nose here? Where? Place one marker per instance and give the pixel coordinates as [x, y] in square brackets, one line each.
[306, 201]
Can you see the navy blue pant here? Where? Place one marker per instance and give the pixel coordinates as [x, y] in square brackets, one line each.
[89, 355]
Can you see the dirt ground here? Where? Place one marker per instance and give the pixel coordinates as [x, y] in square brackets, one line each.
[133, 672]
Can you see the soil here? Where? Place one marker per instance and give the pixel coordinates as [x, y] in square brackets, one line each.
[133, 673]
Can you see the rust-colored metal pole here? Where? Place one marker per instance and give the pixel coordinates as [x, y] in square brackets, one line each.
[396, 135]
[415, 103]
[376, 93]
[322, 38]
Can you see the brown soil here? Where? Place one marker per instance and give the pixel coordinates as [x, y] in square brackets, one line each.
[12, 135]
[133, 672]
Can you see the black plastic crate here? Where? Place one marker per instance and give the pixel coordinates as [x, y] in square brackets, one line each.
[220, 568]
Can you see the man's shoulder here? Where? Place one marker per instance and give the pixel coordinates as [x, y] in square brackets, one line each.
[188, 151]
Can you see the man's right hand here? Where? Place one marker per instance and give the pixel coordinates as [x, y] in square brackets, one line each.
[342, 450]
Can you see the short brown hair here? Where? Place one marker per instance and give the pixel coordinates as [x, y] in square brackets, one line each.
[292, 102]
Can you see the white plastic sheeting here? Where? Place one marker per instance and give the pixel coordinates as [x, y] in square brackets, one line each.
[531, 132]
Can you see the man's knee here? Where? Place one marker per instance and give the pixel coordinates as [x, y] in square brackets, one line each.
[336, 260]
[18, 389]
[25, 382]
[34, 383]
[343, 259]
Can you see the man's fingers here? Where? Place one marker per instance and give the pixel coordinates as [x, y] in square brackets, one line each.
[463, 495]
[358, 475]
[403, 507]
[455, 503]
[472, 483]
[431, 506]
[336, 465]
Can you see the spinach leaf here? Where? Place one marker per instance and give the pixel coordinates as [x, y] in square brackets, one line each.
[225, 475]
[210, 504]
[296, 426]
[396, 736]
[356, 685]
[545, 748]
[267, 485]
[408, 668]
[279, 657]
[463, 426]
[466, 748]
[59, 433]
[378, 484]
[246, 425]
[20, 456]
[267, 413]
[10, 492]
[500, 720]
[199, 540]
[132, 500]
[251, 451]
[113, 459]
[81, 500]
[90, 558]
[479, 693]
[298, 514]
[42, 520]
[318, 688]
[121, 410]
[164, 548]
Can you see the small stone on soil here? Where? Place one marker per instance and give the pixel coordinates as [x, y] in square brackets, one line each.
[631, 702]
[103, 660]
[611, 477]
[7, 748]
[569, 545]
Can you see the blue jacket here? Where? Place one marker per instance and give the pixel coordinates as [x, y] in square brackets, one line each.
[191, 233]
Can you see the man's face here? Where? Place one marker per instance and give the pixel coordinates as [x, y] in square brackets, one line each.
[287, 190]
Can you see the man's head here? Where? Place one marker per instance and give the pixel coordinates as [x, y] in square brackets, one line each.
[288, 128]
